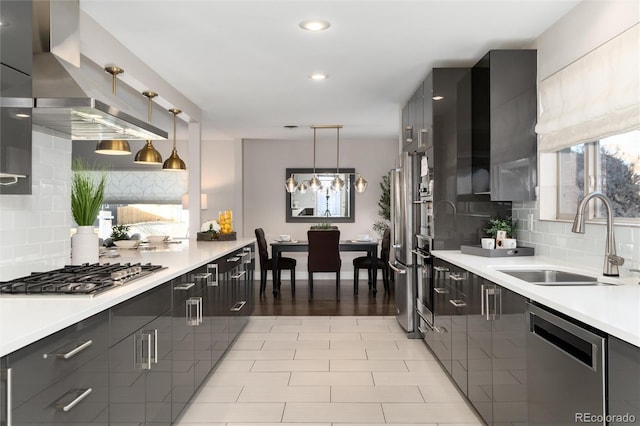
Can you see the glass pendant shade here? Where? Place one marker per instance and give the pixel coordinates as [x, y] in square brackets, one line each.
[314, 183]
[290, 184]
[174, 163]
[337, 184]
[148, 155]
[302, 188]
[113, 147]
[360, 184]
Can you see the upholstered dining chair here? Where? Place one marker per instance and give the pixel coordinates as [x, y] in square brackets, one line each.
[266, 264]
[382, 263]
[324, 255]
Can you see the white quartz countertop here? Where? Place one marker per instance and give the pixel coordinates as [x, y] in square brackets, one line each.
[614, 309]
[26, 319]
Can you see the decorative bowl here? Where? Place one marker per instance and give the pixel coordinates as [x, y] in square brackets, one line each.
[127, 244]
[157, 239]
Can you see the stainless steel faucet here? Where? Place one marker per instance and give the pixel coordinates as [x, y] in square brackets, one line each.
[611, 260]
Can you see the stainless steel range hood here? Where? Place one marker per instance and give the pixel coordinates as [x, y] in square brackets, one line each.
[72, 99]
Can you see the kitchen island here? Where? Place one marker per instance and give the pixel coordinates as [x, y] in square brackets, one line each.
[26, 319]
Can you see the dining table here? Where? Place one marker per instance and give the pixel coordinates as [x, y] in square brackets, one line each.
[368, 246]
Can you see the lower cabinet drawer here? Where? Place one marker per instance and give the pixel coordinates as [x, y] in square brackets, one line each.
[58, 357]
[78, 398]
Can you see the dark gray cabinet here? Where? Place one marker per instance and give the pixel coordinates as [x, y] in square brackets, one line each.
[449, 342]
[140, 359]
[61, 379]
[15, 97]
[16, 42]
[504, 112]
[623, 382]
[479, 336]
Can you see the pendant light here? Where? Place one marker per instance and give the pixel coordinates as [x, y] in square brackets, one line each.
[113, 146]
[302, 188]
[174, 163]
[291, 185]
[148, 154]
[360, 184]
[337, 184]
[314, 182]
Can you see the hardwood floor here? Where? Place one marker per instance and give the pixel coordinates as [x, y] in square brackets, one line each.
[324, 301]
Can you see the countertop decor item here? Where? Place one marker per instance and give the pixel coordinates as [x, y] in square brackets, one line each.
[87, 195]
[497, 252]
[499, 224]
[120, 232]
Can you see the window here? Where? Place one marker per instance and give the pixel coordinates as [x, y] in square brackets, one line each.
[610, 165]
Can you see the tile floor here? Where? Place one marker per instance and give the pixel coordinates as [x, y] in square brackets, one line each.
[327, 371]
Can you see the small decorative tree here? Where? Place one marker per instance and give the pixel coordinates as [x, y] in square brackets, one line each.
[384, 206]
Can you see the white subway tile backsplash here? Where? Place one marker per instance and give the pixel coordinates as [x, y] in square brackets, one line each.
[35, 228]
[556, 239]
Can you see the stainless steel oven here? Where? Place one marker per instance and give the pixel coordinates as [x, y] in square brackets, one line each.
[422, 250]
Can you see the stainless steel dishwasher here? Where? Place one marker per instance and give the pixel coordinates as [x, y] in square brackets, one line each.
[565, 370]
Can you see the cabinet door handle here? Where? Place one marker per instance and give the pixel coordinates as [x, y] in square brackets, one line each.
[233, 259]
[193, 311]
[441, 269]
[238, 275]
[456, 277]
[79, 394]
[65, 352]
[484, 300]
[213, 279]
[184, 286]
[487, 292]
[238, 306]
[458, 303]
[145, 347]
[6, 377]
[440, 290]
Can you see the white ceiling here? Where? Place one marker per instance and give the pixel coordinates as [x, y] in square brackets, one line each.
[246, 63]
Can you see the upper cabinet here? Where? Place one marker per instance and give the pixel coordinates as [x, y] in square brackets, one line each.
[15, 97]
[16, 41]
[503, 143]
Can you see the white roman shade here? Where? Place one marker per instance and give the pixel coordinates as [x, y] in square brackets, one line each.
[596, 96]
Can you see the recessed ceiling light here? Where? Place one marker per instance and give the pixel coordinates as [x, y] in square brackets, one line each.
[314, 25]
[438, 98]
[290, 126]
[318, 76]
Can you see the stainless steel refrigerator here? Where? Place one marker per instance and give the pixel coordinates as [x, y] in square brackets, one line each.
[404, 225]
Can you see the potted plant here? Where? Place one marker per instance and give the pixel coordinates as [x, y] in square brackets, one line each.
[499, 224]
[87, 195]
[120, 232]
[384, 206]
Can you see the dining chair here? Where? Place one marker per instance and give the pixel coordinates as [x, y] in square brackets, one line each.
[266, 264]
[324, 255]
[382, 263]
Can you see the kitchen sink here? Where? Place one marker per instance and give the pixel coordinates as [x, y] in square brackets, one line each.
[551, 277]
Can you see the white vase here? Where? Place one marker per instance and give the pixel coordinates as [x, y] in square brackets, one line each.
[84, 246]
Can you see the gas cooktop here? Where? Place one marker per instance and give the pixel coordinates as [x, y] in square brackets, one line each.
[87, 279]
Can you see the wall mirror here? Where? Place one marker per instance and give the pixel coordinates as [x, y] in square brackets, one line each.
[324, 204]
